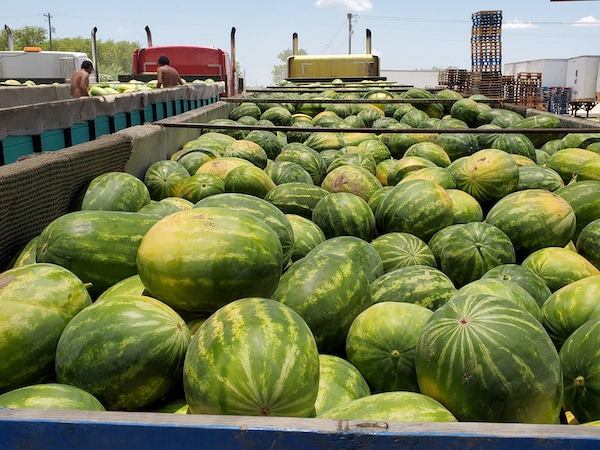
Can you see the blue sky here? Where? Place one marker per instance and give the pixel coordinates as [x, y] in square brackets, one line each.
[407, 35]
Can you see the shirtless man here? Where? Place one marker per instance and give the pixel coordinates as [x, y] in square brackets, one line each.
[167, 75]
[80, 80]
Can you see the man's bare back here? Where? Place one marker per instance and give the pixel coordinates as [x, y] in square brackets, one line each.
[80, 81]
[167, 76]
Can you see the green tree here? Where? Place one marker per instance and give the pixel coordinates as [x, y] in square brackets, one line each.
[279, 71]
[24, 37]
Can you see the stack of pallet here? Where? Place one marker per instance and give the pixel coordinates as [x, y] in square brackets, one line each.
[455, 79]
[529, 88]
[558, 99]
[486, 53]
[509, 85]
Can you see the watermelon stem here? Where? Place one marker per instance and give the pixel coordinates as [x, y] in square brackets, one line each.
[579, 382]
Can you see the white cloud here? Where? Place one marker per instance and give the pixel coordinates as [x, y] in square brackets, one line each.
[352, 5]
[587, 21]
[122, 30]
[517, 25]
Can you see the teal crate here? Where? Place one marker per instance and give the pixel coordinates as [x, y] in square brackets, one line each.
[80, 133]
[15, 147]
[53, 140]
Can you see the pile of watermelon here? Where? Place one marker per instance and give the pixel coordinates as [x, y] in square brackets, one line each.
[374, 275]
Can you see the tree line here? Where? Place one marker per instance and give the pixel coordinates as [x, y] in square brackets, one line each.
[114, 57]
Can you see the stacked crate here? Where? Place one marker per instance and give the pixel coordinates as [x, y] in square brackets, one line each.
[486, 53]
[455, 79]
[558, 99]
[529, 88]
[509, 85]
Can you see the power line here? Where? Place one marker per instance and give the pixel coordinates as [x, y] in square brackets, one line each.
[426, 20]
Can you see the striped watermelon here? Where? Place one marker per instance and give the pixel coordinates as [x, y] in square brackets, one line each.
[166, 206]
[580, 360]
[252, 357]
[127, 364]
[348, 156]
[405, 165]
[352, 179]
[431, 151]
[570, 307]
[344, 214]
[539, 177]
[504, 289]
[248, 180]
[377, 196]
[189, 259]
[402, 249]
[201, 185]
[418, 284]
[438, 175]
[522, 276]
[193, 160]
[222, 166]
[247, 150]
[296, 198]
[100, 247]
[50, 396]
[245, 109]
[534, 219]
[307, 235]
[328, 291]
[37, 301]
[287, 172]
[472, 249]
[392, 406]
[357, 249]
[558, 266]
[261, 209]
[381, 344]
[584, 198]
[568, 161]
[588, 243]
[129, 286]
[164, 179]
[418, 207]
[488, 175]
[26, 255]
[307, 158]
[515, 144]
[339, 382]
[466, 207]
[539, 121]
[475, 356]
[115, 191]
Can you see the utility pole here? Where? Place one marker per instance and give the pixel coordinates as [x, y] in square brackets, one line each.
[49, 17]
[349, 33]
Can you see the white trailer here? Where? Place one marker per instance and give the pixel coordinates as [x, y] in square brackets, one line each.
[554, 71]
[40, 65]
[582, 77]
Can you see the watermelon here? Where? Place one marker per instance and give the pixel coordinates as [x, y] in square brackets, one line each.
[539, 121]
[584, 198]
[99, 247]
[589, 170]
[339, 382]
[305, 157]
[255, 357]
[534, 219]
[299, 121]
[378, 196]
[414, 118]
[507, 119]
[475, 356]
[374, 147]
[438, 175]
[448, 94]
[344, 214]
[419, 284]
[245, 109]
[402, 249]
[452, 123]
[539, 177]
[466, 208]
[222, 166]
[458, 144]
[504, 289]
[267, 140]
[588, 243]
[405, 165]
[287, 172]
[568, 162]
[166, 206]
[307, 235]
[522, 276]
[201, 185]
[399, 143]
[193, 160]
[296, 198]
[37, 301]
[347, 155]
[516, 144]
[392, 406]
[328, 291]
[383, 169]
[356, 249]
[320, 141]
[188, 259]
[472, 249]
[164, 179]
[247, 150]
[115, 191]
[570, 307]
[488, 175]
[486, 117]
[126, 364]
[580, 359]
[213, 139]
[381, 345]
[418, 207]
[352, 179]
[26, 255]
[248, 180]
[50, 396]
[327, 119]
[129, 286]
[558, 266]
[431, 151]
[465, 109]
[278, 115]
[485, 140]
